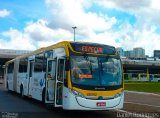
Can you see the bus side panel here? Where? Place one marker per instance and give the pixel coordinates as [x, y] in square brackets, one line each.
[22, 80]
[9, 76]
[69, 100]
[38, 83]
[9, 81]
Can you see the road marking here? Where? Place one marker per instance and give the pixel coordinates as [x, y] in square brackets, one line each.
[145, 93]
[142, 104]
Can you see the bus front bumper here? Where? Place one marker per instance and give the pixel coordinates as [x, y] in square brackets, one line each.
[72, 102]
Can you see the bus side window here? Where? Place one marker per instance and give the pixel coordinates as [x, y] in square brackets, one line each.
[23, 65]
[10, 67]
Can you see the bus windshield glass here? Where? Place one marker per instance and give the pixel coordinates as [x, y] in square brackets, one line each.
[96, 71]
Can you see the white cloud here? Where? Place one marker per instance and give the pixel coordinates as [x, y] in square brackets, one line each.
[66, 14]
[127, 6]
[4, 13]
[132, 37]
[40, 33]
[35, 35]
[17, 40]
[105, 38]
[91, 26]
[144, 10]
[155, 4]
[143, 32]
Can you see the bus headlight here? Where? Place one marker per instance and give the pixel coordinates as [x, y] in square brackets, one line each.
[76, 93]
[119, 94]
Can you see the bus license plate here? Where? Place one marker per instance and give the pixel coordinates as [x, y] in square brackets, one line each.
[101, 104]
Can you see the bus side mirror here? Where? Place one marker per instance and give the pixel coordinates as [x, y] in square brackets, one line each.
[67, 65]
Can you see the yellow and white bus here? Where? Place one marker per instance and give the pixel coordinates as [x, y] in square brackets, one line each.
[71, 75]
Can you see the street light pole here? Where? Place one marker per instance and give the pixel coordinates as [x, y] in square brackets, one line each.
[74, 31]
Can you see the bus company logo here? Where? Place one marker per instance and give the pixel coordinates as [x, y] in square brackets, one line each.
[41, 82]
[92, 49]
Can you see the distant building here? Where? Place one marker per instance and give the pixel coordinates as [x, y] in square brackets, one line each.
[129, 54]
[138, 53]
[121, 52]
[157, 53]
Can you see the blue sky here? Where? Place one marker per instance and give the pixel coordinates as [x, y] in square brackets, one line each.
[111, 12]
[21, 12]
[29, 25]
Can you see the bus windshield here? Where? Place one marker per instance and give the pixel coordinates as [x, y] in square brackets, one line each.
[96, 71]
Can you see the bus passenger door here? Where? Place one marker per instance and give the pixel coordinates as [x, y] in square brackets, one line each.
[59, 82]
[50, 81]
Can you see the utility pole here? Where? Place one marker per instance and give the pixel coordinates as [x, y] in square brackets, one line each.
[74, 28]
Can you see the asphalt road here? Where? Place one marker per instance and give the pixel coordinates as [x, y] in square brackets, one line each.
[142, 102]
[12, 105]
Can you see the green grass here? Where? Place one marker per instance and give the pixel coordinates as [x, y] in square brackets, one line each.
[153, 87]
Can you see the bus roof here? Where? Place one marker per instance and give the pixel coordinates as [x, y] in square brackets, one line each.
[57, 45]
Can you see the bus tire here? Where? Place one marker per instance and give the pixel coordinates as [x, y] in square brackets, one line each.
[21, 91]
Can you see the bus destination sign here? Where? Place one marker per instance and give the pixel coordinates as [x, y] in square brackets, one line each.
[93, 48]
